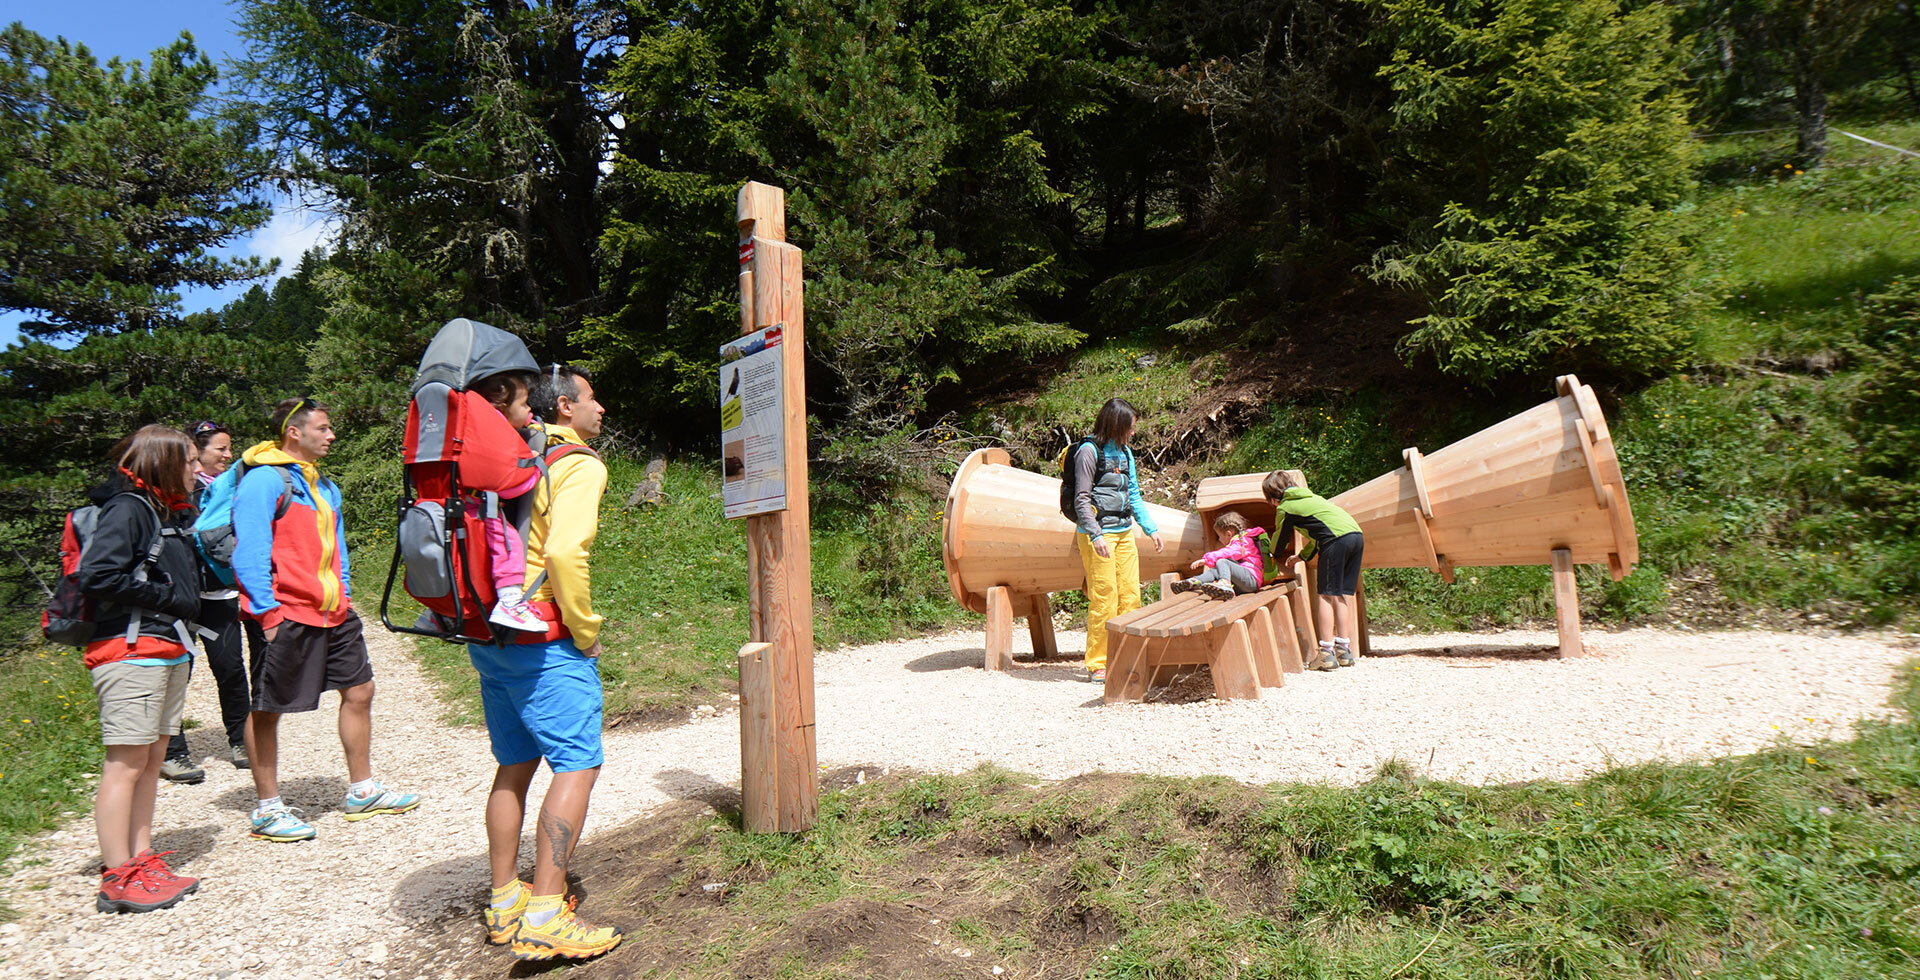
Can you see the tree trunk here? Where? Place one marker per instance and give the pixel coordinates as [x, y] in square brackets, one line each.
[1810, 111]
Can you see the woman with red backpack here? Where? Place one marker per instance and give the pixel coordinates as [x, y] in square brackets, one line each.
[140, 570]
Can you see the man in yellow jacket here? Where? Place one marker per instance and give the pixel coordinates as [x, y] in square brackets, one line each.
[542, 696]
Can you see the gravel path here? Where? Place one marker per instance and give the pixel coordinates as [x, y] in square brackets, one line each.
[1472, 707]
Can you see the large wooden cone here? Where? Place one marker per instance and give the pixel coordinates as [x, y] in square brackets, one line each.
[1511, 494]
[1003, 527]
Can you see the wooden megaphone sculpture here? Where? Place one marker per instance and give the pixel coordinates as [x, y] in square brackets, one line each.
[1543, 487]
[1006, 546]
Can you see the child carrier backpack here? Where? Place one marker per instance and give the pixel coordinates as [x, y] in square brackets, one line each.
[213, 528]
[459, 454]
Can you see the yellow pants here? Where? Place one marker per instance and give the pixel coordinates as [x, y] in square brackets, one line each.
[1113, 587]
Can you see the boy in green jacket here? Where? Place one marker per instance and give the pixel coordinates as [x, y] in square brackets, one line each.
[1335, 536]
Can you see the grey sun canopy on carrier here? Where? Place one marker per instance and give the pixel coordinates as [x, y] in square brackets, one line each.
[464, 351]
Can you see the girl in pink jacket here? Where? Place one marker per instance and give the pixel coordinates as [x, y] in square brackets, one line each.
[1235, 568]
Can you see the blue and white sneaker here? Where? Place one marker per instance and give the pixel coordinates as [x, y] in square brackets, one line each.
[280, 824]
[381, 800]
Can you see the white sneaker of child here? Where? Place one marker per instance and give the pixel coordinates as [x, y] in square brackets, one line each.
[516, 616]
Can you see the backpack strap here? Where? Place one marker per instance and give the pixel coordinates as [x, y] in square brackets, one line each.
[553, 454]
[181, 628]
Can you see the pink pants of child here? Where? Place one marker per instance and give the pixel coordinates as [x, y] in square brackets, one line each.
[505, 550]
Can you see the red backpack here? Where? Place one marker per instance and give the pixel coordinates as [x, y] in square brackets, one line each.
[71, 614]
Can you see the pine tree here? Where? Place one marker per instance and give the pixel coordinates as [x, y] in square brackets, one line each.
[116, 183]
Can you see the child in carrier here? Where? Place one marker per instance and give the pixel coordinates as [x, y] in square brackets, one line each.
[507, 392]
[1236, 567]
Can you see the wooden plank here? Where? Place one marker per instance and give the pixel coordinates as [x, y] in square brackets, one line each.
[1593, 461]
[1266, 650]
[1623, 536]
[999, 642]
[1287, 637]
[759, 761]
[1416, 467]
[1166, 584]
[1039, 611]
[956, 518]
[1426, 540]
[1566, 604]
[1143, 621]
[1234, 676]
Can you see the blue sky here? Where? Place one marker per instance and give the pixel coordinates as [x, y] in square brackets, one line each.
[113, 28]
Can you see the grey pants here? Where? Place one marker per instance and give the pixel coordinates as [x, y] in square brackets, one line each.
[1231, 572]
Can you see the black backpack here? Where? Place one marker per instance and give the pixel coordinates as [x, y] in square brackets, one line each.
[1066, 475]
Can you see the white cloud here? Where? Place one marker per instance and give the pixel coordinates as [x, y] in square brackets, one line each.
[294, 229]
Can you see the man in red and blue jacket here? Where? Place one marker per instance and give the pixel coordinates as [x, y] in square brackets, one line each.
[290, 560]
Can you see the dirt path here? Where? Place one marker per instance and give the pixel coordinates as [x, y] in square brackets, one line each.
[1477, 708]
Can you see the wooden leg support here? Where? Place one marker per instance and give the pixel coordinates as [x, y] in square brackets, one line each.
[1566, 604]
[999, 629]
[1361, 644]
[1039, 613]
[1303, 629]
[1124, 660]
[1266, 650]
[1287, 637]
[1166, 584]
[1231, 654]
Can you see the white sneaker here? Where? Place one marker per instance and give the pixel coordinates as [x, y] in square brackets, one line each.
[516, 616]
[1215, 589]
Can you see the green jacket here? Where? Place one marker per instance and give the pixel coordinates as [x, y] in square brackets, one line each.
[1302, 510]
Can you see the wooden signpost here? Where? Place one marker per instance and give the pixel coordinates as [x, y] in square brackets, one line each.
[779, 786]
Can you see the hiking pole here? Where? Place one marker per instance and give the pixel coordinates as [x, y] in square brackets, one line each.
[36, 575]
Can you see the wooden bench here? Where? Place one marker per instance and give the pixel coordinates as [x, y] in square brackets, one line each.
[1250, 641]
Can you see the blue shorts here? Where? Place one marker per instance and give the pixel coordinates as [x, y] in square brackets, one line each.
[542, 701]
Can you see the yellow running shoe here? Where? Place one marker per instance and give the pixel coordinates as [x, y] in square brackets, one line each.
[565, 936]
[501, 922]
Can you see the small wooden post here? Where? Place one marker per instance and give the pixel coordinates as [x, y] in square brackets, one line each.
[1039, 609]
[999, 641]
[779, 549]
[1566, 604]
[759, 794]
[1361, 644]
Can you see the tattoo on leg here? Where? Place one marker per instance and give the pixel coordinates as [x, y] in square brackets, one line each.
[560, 837]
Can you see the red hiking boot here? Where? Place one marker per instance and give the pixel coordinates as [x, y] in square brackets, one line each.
[128, 888]
[157, 871]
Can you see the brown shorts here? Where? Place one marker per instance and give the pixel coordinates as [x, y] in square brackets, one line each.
[139, 704]
[302, 662]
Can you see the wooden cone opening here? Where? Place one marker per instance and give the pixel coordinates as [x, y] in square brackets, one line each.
[1544, 480]
[1003, 527]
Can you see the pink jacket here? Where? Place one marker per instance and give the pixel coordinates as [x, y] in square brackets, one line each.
[1244, 549]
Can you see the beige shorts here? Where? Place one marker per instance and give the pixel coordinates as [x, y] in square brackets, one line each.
[139, 704]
